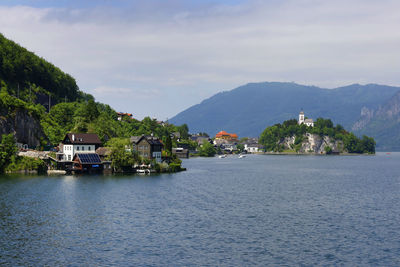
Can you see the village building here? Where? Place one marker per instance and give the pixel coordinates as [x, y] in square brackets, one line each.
[79, 143]
[303, 120]
[225, 139]
[181, 152]
[87, 162]
[251, 145]
[148, 147]
[200, 139]
[121, 115]
[226, 136]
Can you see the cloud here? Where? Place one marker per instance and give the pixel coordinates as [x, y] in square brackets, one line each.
[178, 52]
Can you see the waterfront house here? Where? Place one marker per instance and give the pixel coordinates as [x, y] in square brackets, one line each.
[181, 152]
[79, 143]
[87, 162]
[148, 147]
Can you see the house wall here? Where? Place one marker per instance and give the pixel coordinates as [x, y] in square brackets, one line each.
[143, 148]
[70, 150]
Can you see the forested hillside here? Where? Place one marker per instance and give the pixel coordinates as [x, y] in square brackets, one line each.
[29, 77]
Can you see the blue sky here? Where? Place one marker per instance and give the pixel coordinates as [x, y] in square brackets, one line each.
[159, 57]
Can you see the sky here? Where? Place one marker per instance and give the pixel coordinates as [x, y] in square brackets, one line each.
[158, 57]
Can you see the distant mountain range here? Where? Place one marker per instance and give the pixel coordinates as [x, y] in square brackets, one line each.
[249, 109]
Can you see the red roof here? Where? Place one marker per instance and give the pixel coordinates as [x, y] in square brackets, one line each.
[223, 133]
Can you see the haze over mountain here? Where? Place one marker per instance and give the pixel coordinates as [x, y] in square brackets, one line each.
[249, 109]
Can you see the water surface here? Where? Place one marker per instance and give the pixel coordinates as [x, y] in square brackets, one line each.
[256, 211]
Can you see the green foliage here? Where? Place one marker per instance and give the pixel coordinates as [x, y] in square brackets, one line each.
[207, 150]
[25, 72]
[174, 167]
[121, 157]
[328, 150]
[190, 143]
[8, 149]
[26, 164]
[240, 147]
[168, 143]
[353, 144]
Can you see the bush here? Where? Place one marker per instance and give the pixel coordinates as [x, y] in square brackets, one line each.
[26, 164]
[328, 150]
[174, 167]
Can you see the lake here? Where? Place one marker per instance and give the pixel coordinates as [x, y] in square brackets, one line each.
[257, 211]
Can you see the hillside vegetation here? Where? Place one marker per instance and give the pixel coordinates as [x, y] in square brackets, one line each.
[25, 78]
[28, 76]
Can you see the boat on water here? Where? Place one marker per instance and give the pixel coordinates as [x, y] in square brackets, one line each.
[222, 156]
[242, 156]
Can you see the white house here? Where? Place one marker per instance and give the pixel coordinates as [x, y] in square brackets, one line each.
[308, 122]
[79, 143]
[253, 147]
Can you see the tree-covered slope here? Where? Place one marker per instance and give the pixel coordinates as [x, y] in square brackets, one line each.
[248, 109]
[28, 76]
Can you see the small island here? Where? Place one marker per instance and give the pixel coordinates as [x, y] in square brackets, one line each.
[304, 136]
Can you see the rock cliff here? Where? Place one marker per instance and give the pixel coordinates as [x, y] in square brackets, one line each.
[313, 143]
[25, 127]
[383, 123]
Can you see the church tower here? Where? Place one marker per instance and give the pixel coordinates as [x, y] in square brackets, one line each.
[301, 117]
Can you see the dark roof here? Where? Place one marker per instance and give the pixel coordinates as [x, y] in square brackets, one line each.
[81, 138]
[152, 140]
[88, 158]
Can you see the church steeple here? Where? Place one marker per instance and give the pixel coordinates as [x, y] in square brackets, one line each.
[301, 117]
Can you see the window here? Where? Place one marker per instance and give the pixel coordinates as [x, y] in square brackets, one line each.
[89, 148]
[77, 148]
[83, 148]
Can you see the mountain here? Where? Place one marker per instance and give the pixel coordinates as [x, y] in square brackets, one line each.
[249, 109]
[383, 123]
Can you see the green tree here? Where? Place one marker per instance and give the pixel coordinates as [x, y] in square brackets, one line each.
[168, 143]
[8, 150]
[368, 144]
[240, 147]
[207, 150]
[328, 150]
[121, 157]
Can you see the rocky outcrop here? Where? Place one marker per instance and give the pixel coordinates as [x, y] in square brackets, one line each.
[25, 127]
[382, 123]
[313, 143]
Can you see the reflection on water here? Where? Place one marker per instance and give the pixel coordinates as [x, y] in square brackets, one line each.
[260, 210]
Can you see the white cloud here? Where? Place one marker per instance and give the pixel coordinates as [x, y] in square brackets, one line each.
[177, 54]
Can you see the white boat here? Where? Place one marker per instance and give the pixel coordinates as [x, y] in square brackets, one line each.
[222, 156]
[143, 171]
[242, 156]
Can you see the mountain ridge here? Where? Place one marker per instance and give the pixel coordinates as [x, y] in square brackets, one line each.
[250, 108]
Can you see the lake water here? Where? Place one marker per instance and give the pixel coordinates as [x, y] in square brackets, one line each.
[255, 211]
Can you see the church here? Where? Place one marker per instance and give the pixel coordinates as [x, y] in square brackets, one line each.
[308, 122]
